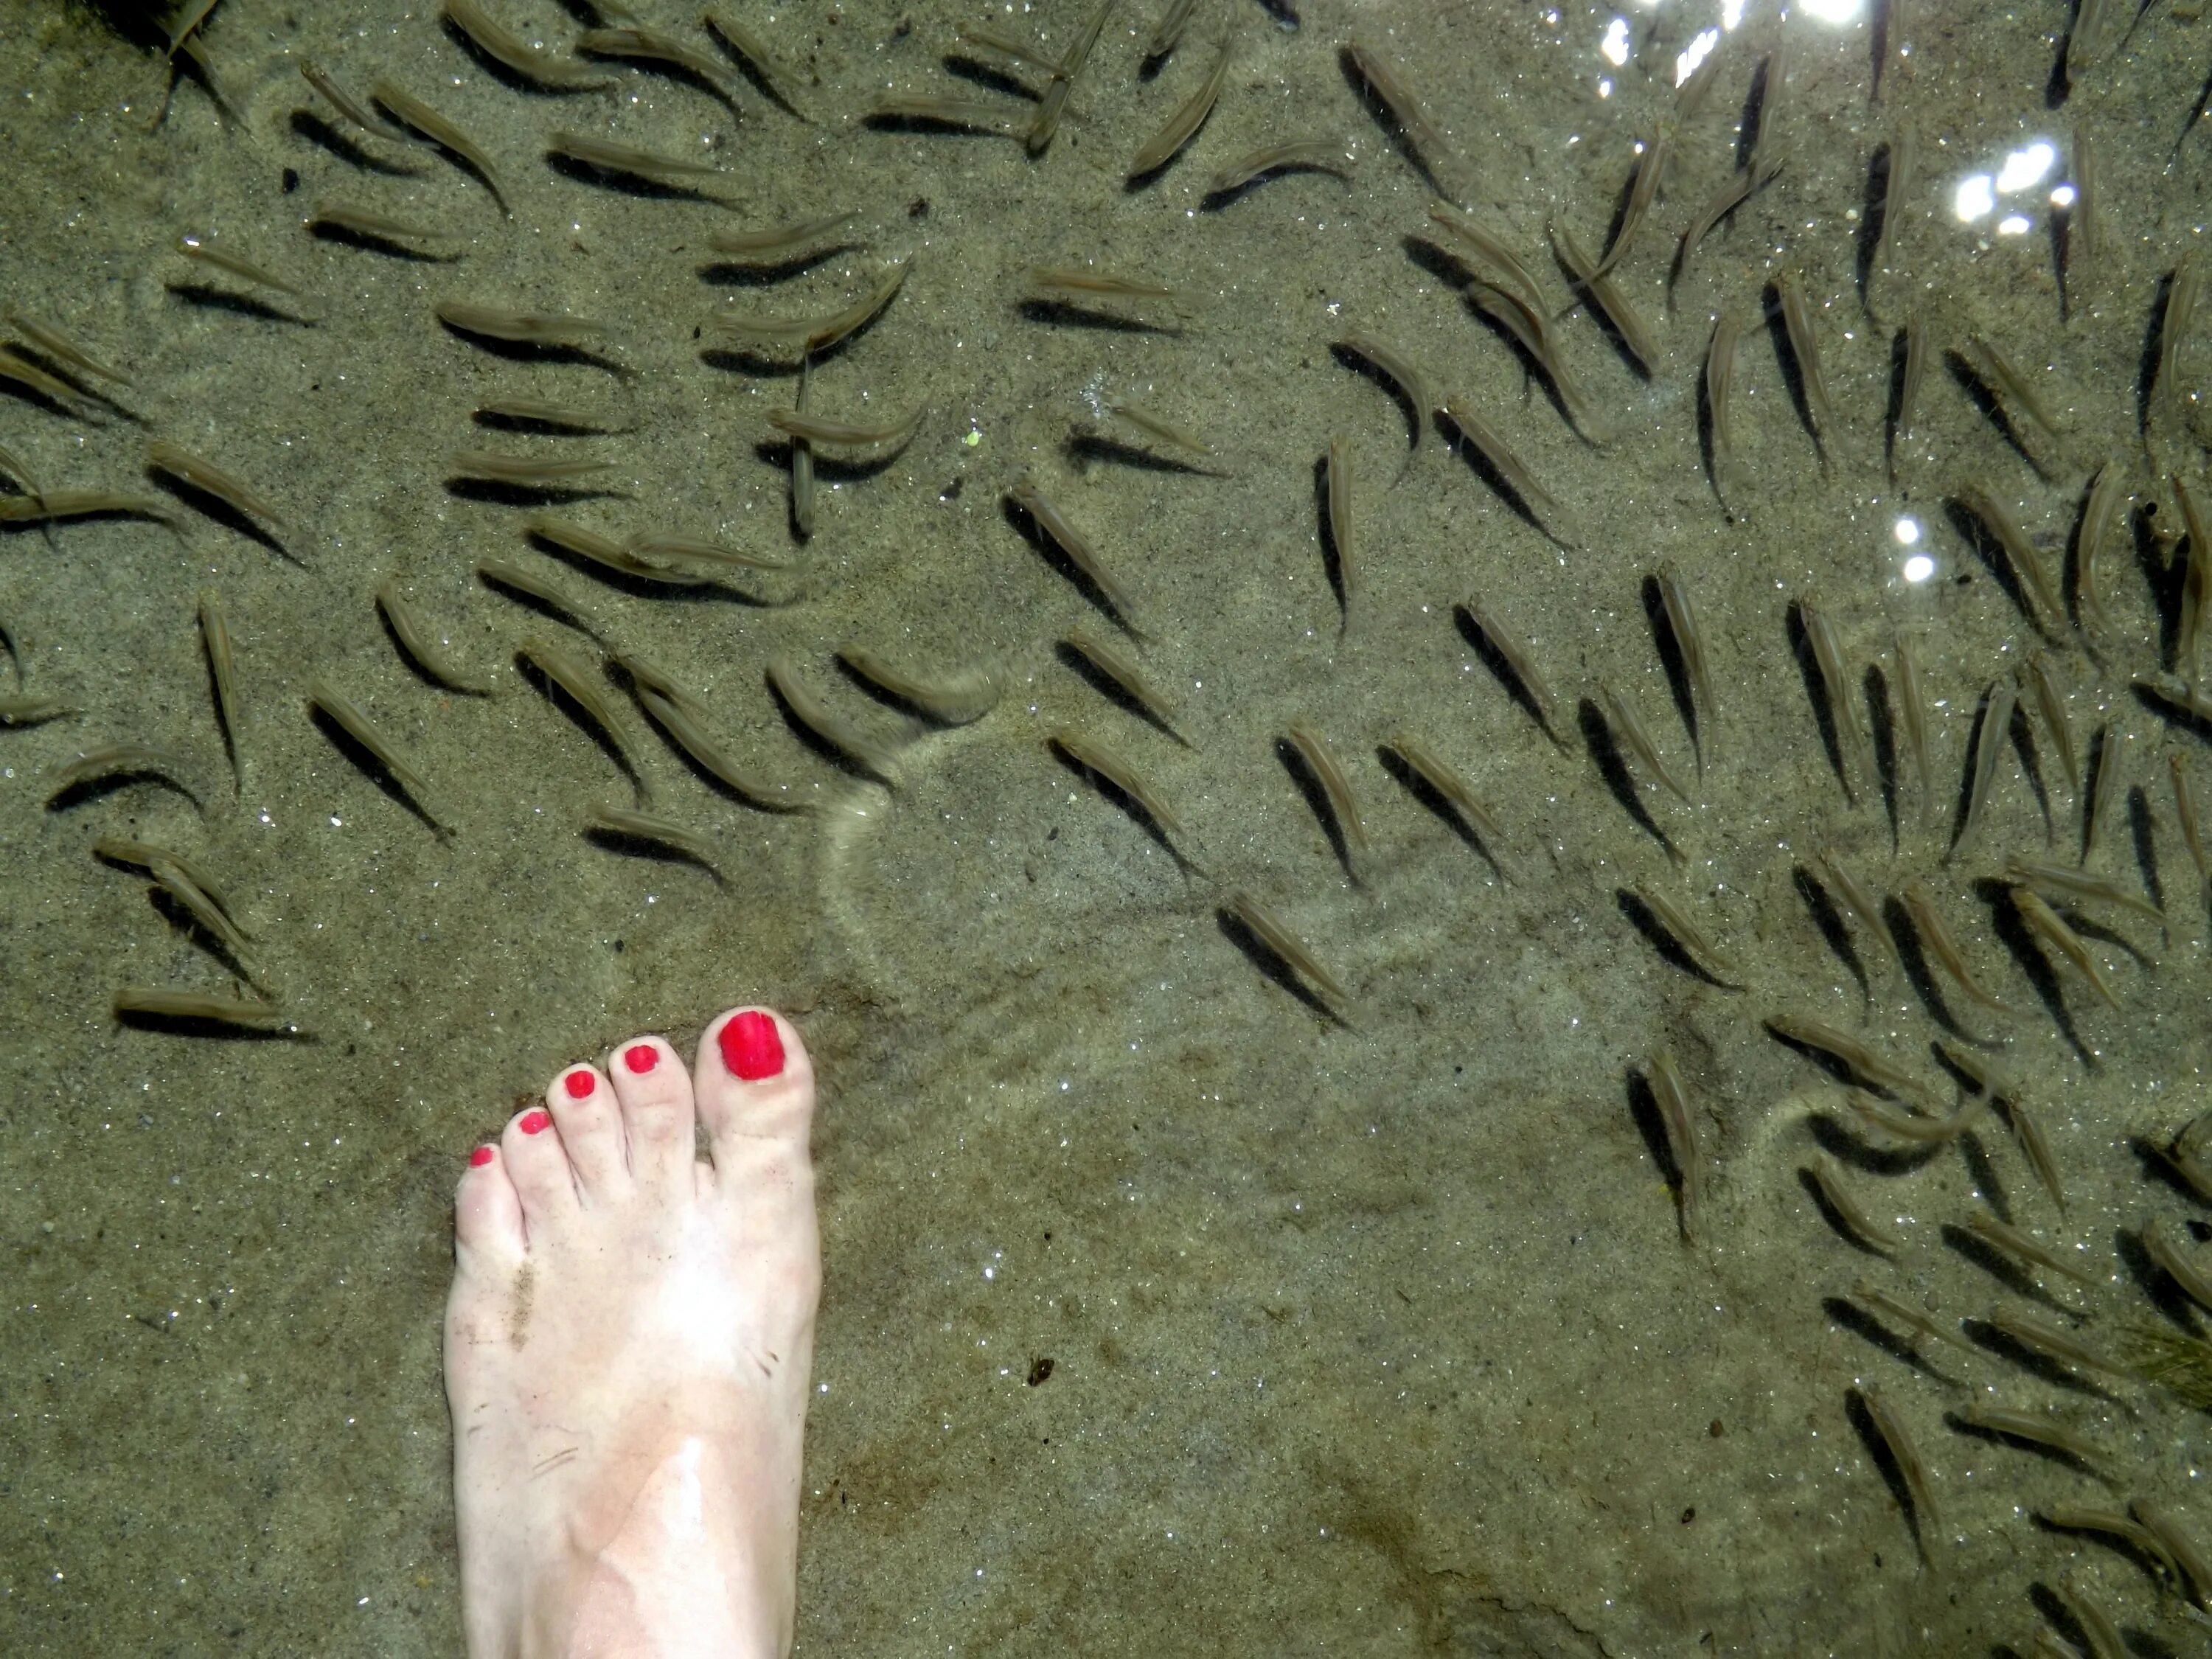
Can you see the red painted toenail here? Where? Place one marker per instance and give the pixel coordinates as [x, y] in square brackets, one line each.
[751, 1048]
[535, 1123]
[482, 1155]
[641, 1057]
[578, 1083]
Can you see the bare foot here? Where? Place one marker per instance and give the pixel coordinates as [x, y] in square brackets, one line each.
[627, 1349]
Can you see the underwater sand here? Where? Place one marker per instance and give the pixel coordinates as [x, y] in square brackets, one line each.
[1372, 1334]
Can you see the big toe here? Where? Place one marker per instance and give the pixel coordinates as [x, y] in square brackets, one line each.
[756, 1096]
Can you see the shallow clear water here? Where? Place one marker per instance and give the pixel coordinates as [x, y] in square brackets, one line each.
[1370, 1327]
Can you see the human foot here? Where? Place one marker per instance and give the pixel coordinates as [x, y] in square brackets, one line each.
[627, 1349]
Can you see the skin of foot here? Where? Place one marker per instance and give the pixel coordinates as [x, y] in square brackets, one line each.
[628, 1344]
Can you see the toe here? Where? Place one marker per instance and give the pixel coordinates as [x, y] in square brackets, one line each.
[655, 1094]
[487, 1214]
[591, 1126]
[530, 1147]
[756, 1090]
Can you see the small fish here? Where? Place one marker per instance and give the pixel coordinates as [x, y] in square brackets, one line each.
[206, 476]
[1181, 127]
[2049, 927]
[1805, 347]
[1720, 387]
[1856, 751]
[627, 823]
[1301, 156]
[2109, 496]
[1328, 771]
[145, 855]
[851, 434]
[2027, 1129]
[2080, 885]
[810, 335]
[1941, 945]
[1914, 375]
[807, 708]
[779, 81]
[2003, 379]
[1432, 151]
[1651, 173]
[1643, 345]
[1861, 1227]
[2048, 1342]
[1265, 926]
[1127, 677]
[418, 117]
[1169, 29]
[1491, 249]
[206, 252]
[1689, 639]
[1904, 151]
[1710, 958]
[1153, 426]
[1411, 383]
[356, 725]
[2184, 813]
[2180, 1548]
[776, 240]
[573, 680]
[965, 112]
[652, 46]
[2011, 1241]
[1024, 493]
[1630, 730]
[346, 105]
[124, 760]
[505, 573]
[956, 699]
[1906, 1457]
[2184, 289]
[537, 328]
[1538, 502]
[374, 227]
[414, 639]
[1912, 713]
[1883, 1305]
[50, 506]
[62, 350]
[2173, 1259]
[534, 64]
[527, 470]
[605, 155]
[1860, 1062]
[2035, 1428]
[1865, 908]
[1533, 332]
[215, 635]
[1514, 655]
[1990, 742]
[1681, 1123]
[541, 412]
[604, 551]
[1446, 781]
[173, 1002]
[679, 718]
[1339, 468]
[24, 709]
[1124, 779]
[2051, 703]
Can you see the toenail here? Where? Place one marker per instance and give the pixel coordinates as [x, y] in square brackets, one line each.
[482, 1155]
[751, 1047]
[641, 1057]
[578, 1083]
[535, 1123]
